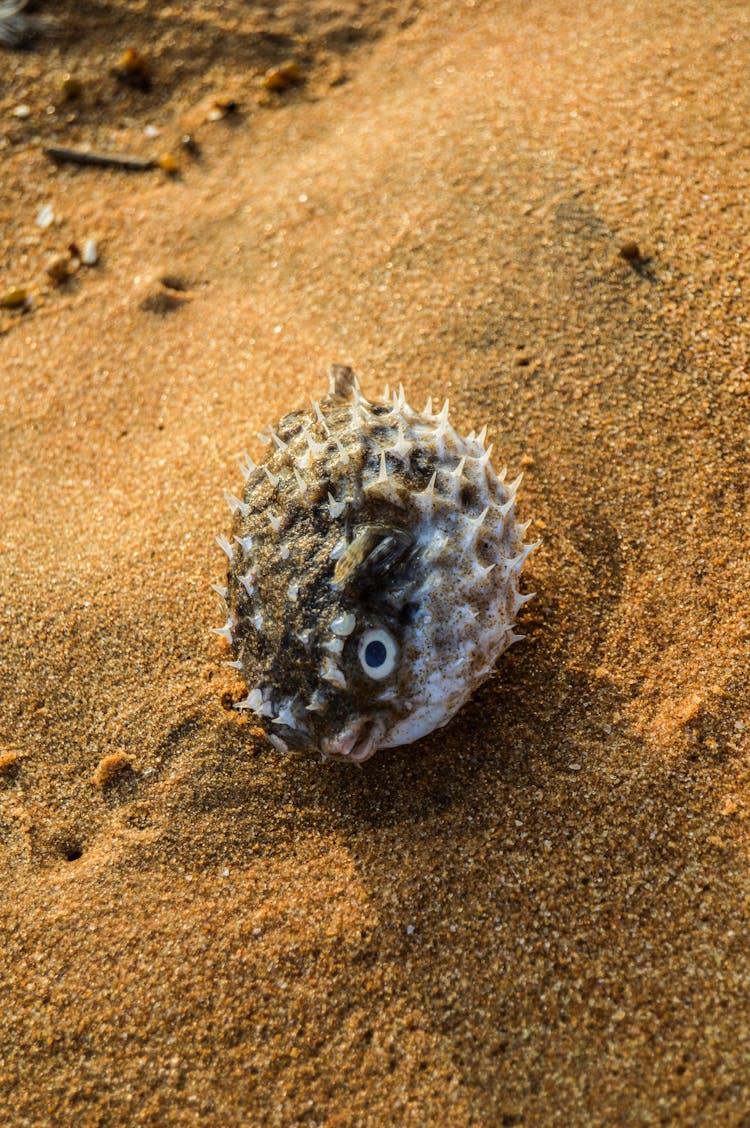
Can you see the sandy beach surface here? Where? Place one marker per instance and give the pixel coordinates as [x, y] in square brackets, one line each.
[539, 914]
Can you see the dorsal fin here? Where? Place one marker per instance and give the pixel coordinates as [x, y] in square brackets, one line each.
[342, 382]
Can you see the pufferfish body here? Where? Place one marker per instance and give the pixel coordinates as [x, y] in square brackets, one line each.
[373, 574]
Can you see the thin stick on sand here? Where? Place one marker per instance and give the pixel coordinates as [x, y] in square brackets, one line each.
[100, 160]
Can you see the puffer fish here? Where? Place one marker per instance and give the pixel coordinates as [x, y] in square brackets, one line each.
[373, 576]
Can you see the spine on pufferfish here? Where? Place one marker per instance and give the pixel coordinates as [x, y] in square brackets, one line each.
[17, 26]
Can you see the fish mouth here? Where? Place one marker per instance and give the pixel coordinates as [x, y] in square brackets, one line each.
[357, 742]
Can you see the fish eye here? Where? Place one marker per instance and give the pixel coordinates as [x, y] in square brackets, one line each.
[377, 652]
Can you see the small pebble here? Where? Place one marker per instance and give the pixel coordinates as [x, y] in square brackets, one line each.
[71, 88]
[45, 216]
[282, 77]
[190, 145]
[630, 251]
[60, 268]
[169, 164]
[14, 298]
[174, 282]
[134, 69]
[9, 762]
[22, 112]
[90, 253]
[221, 108]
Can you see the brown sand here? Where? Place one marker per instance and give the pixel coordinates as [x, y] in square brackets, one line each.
[540, 914]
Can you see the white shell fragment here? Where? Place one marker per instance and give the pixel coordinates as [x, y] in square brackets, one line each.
[90, 253]
[45, 216]
[373, 573]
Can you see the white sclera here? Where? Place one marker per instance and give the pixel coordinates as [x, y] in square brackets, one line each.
[377, 653]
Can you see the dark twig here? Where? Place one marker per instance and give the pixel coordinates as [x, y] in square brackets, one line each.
[100, 160]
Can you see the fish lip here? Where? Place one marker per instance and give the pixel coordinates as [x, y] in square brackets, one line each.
[356, 742]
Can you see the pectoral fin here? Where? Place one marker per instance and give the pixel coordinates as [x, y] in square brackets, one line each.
[375, 551]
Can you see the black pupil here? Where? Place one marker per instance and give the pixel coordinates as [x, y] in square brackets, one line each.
[375, 653]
